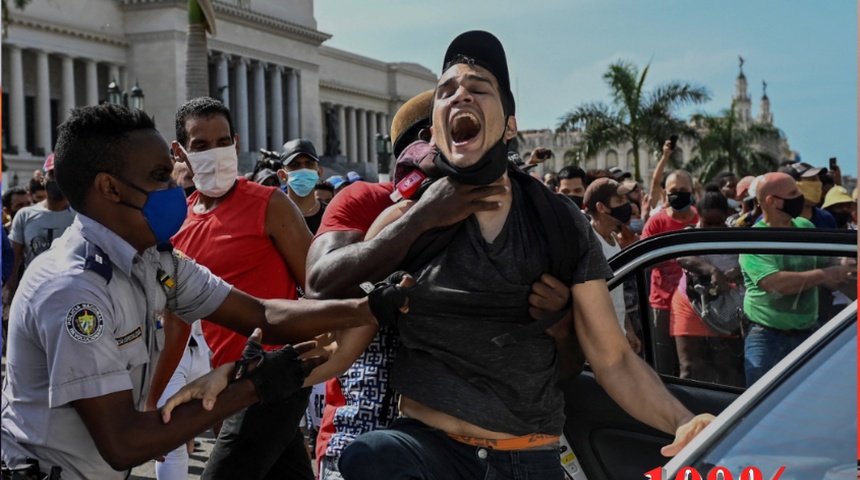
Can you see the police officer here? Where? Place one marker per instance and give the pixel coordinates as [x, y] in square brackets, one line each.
[83, 323]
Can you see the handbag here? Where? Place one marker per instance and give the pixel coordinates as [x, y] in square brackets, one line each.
[723, 313]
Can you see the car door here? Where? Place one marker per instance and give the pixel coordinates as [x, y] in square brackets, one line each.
[609, 444]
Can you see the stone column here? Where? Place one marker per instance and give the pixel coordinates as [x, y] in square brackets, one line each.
[380, 124]
[16, 92]
[68, 101]
[293, 104]
[241, 110]
[372, 127]
[43, 102]
[341, 122]
[277, 103]
[362, 136]
[92, 82]
[260, 128]
[352, 143]
[385, 127]
[222, 84]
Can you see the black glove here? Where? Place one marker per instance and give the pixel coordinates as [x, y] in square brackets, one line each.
[277, 375]
[386, 298]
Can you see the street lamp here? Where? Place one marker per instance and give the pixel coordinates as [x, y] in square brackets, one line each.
[383, 153]
[132, 99]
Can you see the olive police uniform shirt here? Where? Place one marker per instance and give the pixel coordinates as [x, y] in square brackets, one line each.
[82, 325]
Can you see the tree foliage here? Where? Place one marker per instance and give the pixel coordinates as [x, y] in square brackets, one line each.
[635, 116]
[728, 145]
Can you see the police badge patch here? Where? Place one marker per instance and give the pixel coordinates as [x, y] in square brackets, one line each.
[85, 323]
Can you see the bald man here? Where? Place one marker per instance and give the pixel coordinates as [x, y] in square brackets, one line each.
[781, 299]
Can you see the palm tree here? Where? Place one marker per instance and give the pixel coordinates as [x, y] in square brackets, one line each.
[729, 145]
[201, 19]
[635, 116]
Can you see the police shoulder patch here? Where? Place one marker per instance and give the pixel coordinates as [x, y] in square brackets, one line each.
[85, 323]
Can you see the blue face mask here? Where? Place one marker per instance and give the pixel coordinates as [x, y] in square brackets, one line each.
[164, 210]
[302, 182]
[636, 225]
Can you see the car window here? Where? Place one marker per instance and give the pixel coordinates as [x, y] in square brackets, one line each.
[808, 423]
[723, 319]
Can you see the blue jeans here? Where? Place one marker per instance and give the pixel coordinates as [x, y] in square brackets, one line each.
[411, 450]
[765, 347]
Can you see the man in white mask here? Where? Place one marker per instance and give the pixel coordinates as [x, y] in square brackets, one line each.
[301, 173]
[256, 239]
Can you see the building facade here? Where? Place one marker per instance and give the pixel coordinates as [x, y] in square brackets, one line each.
[267, 62]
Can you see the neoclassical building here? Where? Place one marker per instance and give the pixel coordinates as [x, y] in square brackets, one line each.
[622, 155]
[268, 63]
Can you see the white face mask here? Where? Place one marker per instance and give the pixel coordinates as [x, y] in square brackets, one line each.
[215, 170]
[734, 204]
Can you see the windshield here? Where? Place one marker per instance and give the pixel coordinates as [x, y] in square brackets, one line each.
[808, 423]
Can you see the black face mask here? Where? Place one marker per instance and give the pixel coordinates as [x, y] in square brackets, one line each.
[680, 201]
[189, 190]
[622, 213]
[53, 191]
[489, 168]
[792, 207]
[842, 218]
[576, 200]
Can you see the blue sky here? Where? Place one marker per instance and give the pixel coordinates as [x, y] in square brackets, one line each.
[559, 49]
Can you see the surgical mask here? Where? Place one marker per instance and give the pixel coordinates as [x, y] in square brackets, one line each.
[576, 200]
[636, 225]
[622, 213]
[302, 182]
[53, 191]
[215, 170]
[810, 190]
[842, 218]
[734, 204]
[164, 210]
[792, 207]
[680, 201]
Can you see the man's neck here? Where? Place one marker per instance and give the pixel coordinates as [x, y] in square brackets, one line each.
[207, 204]
[604, 228]
[307, 205]
[492, 222]
[55, 205]
[777, 220]
[807, 212]
[684, 216]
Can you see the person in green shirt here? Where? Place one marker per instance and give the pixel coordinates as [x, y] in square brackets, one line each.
[781, 299]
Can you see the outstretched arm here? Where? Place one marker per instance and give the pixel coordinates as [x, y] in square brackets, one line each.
[625, 376]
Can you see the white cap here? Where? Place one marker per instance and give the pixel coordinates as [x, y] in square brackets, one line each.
[752, 189]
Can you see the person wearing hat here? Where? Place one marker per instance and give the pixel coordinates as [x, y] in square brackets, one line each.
[747, 204]
[255, 238]
[267, 178]
[843, 208]
[301, 173]
[469, 408]
[607, 204]
[34, 228]
[809, 182]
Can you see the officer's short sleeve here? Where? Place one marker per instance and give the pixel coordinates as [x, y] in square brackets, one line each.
[74, 320]
[198, 291]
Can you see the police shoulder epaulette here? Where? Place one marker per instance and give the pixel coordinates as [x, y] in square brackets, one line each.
[98, 261]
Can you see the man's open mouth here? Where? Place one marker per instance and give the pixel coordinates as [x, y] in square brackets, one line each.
[464, 127]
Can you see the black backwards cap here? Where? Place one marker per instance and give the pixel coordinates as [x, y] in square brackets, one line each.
[487, 52]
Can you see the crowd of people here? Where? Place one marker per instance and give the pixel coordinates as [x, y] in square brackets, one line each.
[430, 320]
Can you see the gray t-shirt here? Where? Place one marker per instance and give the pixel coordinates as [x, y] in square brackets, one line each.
[471, 293]
[36, 227]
